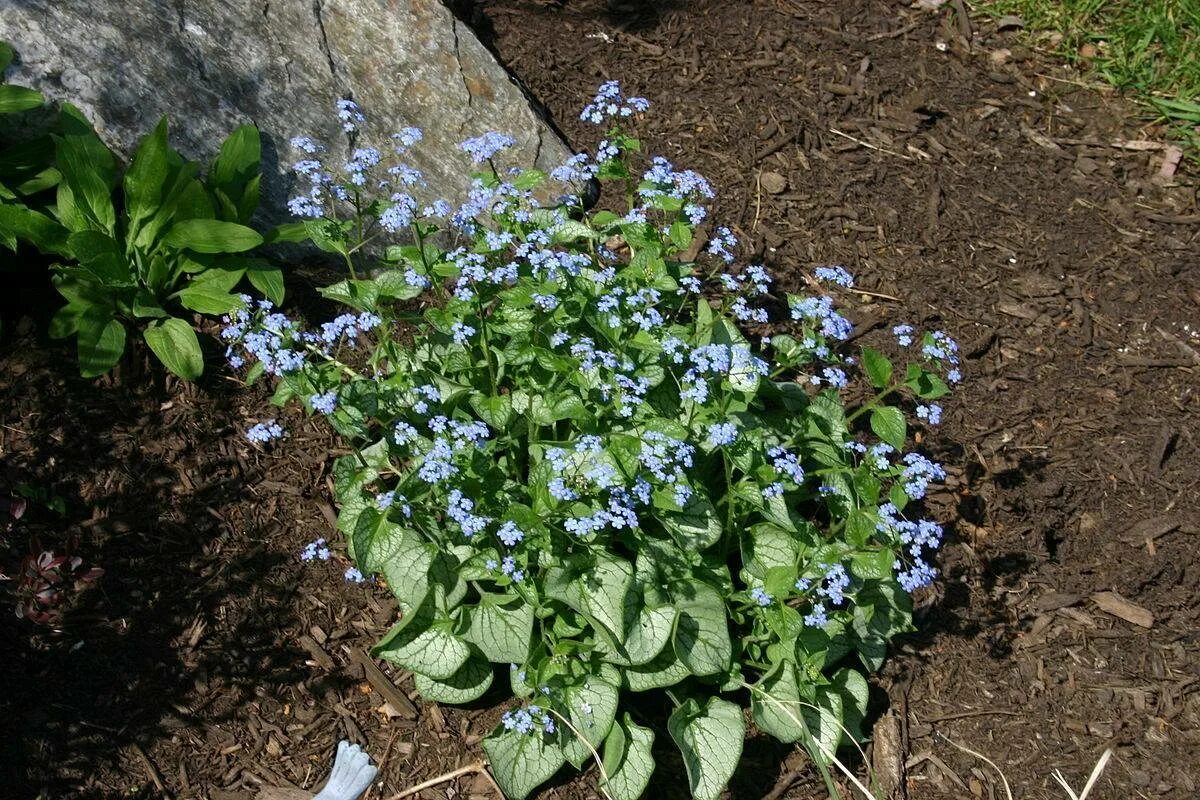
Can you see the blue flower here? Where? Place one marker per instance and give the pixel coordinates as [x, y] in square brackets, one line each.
[325, 403]
[760, 596]
[609, 104]
[315, 550]
[787, 463]
[837, 275]
[918, 472]
[817, 618]
[835, 582]
[352, 575]
[903, 334]
[264, 432]
[483, 148]
[931, 413]
[350, 115]
[721, 434]
[510, 534]
[461, 332]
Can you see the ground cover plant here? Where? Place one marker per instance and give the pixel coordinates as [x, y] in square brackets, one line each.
[133, 248]
[570, 460]
[1150, 49]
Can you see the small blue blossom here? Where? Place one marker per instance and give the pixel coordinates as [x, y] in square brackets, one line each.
[721, 434]
[324, 403]
[461, 332]
[482, 148]
[352, 575]
[903, 334]
[760, 596]
[837, 275]
[264, 432]
[919, 471]
[510, 534]
[817, 618]
[350, 115]
[931, 413]
[315, 550]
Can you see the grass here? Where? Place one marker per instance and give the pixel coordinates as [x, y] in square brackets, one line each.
[1148, 48]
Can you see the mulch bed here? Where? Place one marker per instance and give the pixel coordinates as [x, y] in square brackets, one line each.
[977, 189]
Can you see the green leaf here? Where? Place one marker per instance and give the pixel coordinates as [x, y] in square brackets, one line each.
[852, 687]
[236, 169]
[775, 703]
[399, 554]
[6, 55]
[208, 297]
[663, 670]
[888, 424]
[603, 590]
[33, 227]
[101, 342]
[877, 367]
[522, 762]
[571, 231]
[212, 236]
[176, 345]
[496, 411]
[710, 738]
[628, 760]
[146, 177]
[647, 637]
[502, 628]
[592, 709]
[269, 281]
[19, 98]
[702, 633]
[469, 683]
[422, 644]
[696, 528]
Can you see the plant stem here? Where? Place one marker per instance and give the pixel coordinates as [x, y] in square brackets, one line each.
[871, 404]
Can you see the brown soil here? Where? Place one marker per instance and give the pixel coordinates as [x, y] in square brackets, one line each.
[969, 188]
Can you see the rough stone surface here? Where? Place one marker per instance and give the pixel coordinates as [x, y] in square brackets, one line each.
[211, 65]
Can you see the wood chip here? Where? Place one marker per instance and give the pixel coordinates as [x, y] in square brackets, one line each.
[403, 707]
[313, 649]
[1151, 529]
[1054, 601]
[773, 182]
[1118, 606]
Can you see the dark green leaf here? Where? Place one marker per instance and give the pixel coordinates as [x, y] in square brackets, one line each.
[212, 236]
[877, 367]
[176, 345]
[888, 424]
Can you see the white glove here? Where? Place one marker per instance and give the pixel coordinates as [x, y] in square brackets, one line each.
[352, 774]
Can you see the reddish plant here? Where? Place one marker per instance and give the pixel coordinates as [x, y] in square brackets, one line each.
[44, 579]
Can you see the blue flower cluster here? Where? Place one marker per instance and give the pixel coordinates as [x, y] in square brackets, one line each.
[609, 104]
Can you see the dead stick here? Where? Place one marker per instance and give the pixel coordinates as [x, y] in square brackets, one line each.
[151, 770]
[478, 766]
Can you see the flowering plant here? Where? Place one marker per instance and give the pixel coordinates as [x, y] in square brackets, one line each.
[570, 460]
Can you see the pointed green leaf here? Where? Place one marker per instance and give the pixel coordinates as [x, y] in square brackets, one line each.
[19, 98]
[146, 177]
[775, 703]
[212, 236]
[176, 345]
[662, 671]
[502, 628]
[888, 424]
[702, 633]
[423, 644]
[592, 709]
[101, 343]
[710, 738]
[522, 762]
[269, 281]
[628, 760]
[877, 366]
[469, 683]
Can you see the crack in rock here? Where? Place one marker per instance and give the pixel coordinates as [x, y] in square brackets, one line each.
[458, 60]
[317, 14]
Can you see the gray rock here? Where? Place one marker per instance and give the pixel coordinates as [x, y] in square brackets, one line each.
[211, 65]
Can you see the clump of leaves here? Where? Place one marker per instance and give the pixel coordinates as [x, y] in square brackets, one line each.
[569, 460]
[46, 580]
[136, 249]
